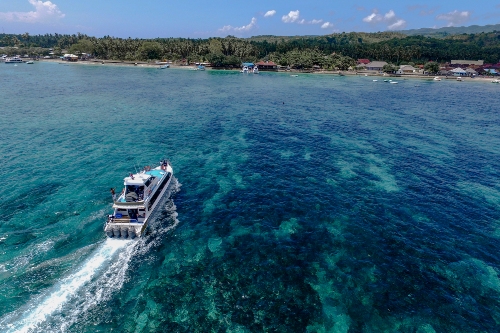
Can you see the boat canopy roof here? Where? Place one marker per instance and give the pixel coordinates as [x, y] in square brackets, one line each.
[137, 179]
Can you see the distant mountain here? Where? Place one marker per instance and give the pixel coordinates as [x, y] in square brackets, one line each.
[446, 31]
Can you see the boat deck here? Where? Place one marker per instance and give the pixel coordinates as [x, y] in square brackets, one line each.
[155, 173]
[127, 220]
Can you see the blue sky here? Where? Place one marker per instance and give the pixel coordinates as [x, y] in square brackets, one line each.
[202, 19]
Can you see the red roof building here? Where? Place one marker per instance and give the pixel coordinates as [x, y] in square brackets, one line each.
[363, 61]
[266, 66]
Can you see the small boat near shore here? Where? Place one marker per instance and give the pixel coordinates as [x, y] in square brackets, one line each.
[437, 78]
[164, 66]
[140, 197]
[13, 60]
[30, 62]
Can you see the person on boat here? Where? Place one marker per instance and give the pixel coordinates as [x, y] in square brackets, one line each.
[164, 164]
[113, 194]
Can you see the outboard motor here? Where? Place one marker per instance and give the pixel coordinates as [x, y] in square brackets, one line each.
[116, 232]
[109, 233]
[124, 232]
[131, 233]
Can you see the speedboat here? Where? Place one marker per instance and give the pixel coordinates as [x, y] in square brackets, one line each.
[244, 70]
[495, 81]
[437, 78]
[164, 66]
[13, 60]
[459, 79]
[201, 68]
[394, 82]
[294, 75]
[138, 200]
[30, 62]
[255, 70]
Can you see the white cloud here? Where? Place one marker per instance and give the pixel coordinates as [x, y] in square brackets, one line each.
[270, 13]
[373, 17]
[399, 24]
[455, 17]
[327, 25]
[291, 17]
[313, 21]
[389, 15]
[390, 18]
[44, 11]
[294, 17]
[244, 28]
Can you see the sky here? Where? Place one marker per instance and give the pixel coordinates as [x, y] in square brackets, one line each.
[203, 19]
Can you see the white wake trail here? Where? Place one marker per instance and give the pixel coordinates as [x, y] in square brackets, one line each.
[95, 281]
[37, 313]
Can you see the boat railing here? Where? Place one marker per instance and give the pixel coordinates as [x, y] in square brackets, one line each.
[129, 203]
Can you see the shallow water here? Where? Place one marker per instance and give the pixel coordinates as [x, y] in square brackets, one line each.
[301, 204]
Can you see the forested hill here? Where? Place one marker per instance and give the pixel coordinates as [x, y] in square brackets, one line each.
[447, 31]
[392, 47]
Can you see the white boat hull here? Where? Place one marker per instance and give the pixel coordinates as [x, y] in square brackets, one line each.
[134, 227]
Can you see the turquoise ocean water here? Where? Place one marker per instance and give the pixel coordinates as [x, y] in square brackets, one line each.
[301, 204]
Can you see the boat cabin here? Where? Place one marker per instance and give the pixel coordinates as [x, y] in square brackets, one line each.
[138, 195]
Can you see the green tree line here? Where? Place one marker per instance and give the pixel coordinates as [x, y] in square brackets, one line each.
[336, 50]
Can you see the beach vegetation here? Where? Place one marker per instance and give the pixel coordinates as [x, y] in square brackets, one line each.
[431, 67]
[294, 51]
[389, 68]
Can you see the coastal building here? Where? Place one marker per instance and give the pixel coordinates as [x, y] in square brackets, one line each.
[458, 72]
[491, 71]
[471, 71]
[70, 57]
[375, 65]
[266, 66]
[406, 69]
[467, 62]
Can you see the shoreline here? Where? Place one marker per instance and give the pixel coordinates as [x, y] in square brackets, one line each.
[373, 75]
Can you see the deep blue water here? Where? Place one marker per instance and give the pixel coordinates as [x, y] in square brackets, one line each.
[301, 204]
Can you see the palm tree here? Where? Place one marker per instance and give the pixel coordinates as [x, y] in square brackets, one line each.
[26, 37]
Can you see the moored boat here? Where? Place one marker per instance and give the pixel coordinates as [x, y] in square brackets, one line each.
[437, 78]
[13, 60]
[140, 197]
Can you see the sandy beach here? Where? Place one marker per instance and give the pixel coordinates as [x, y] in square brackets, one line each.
[374, 75]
